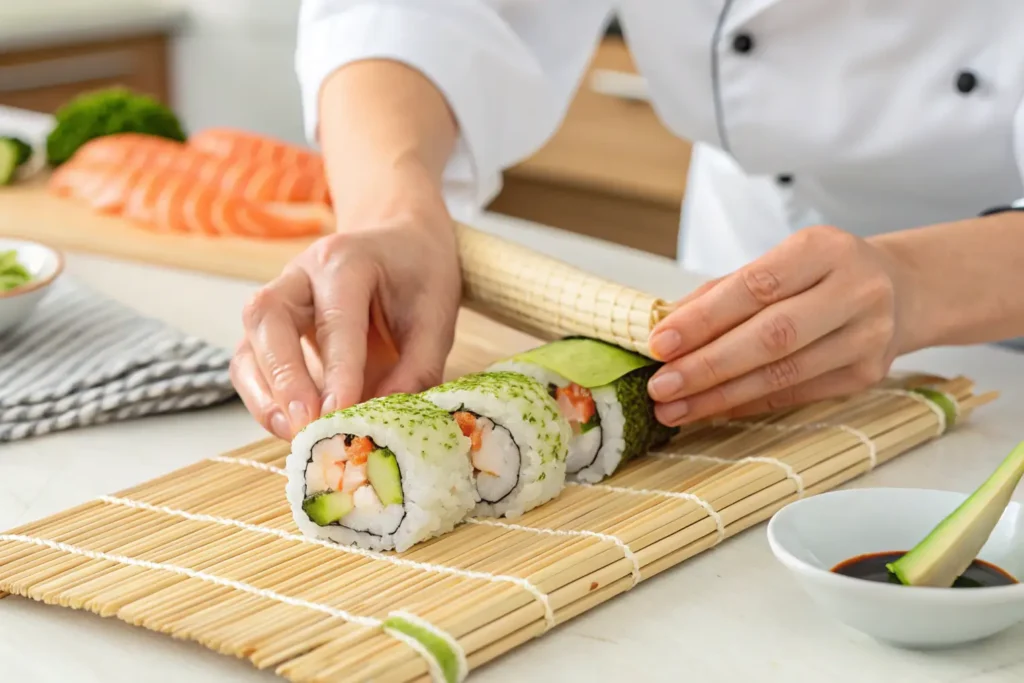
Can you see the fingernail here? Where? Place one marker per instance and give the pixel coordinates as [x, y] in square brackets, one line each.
[672, 413]
[299, 414]
[329, 405]
[279, 425]
[663, 386]
[664, 344]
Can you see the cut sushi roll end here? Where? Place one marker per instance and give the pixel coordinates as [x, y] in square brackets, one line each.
[578, 406]
[518, 439]
[629, 427]
[385, 474]
[355, 480]
[611, 423]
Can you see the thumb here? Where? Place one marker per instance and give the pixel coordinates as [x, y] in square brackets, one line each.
[420, 365]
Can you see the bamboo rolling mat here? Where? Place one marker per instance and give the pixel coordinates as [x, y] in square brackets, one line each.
[210, 553]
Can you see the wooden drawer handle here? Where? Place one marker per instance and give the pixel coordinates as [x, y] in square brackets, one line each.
[66, 71]
[620, 84]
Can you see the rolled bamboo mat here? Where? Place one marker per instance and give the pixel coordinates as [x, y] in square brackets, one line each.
[549, 298]
[210, 553]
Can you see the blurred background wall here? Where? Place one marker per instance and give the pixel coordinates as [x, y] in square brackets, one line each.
[225, 38]
[612, 171]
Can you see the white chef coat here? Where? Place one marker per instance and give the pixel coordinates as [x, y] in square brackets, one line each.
[885, 115]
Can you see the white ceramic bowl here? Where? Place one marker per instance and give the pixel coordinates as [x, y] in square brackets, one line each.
[45, 264]
[813, 535]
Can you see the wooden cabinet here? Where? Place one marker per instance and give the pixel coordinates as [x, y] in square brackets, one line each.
[42, 79]
[612, 170]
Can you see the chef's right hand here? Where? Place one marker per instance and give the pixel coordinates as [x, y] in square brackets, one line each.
[394, 254]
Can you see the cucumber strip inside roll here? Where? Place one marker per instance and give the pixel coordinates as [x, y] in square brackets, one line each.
[385, 474]
[518, 439]
[353, 482]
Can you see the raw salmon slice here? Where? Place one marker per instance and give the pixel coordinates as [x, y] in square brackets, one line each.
[234, 143]
[256, 180]
[166, 200]
[103, 191]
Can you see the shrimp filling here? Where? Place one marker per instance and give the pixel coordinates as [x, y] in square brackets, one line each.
[577, 405]
[493, 453]
[363, 480]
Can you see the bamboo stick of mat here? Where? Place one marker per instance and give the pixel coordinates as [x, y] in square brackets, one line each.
[186, 555]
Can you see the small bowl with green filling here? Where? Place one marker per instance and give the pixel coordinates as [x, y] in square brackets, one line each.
[27, 269]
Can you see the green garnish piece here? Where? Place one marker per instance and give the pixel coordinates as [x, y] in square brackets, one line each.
[437, 646]
[108, 112]
[12, 273]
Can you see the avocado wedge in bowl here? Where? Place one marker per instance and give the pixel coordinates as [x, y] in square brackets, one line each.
[912, 568]
[27, 269]
[946, 553]
[13, 273]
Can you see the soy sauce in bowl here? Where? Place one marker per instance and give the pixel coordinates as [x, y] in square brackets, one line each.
[871, 567]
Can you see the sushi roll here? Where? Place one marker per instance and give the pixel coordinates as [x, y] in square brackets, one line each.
[518, 439]
[384, 474]
[602, 391]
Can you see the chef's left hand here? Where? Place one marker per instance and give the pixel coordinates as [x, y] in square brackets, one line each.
[821, 315]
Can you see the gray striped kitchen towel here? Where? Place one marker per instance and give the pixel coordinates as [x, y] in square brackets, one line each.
[84, 359]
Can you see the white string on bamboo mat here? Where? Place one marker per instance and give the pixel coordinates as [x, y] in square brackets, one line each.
[867, 441]
[627, 552]
[256, 464]
[681, 495]
[525, 584]
[940, 414]
[548, 613]
[369, 622]
[864, 439]
[787, 469]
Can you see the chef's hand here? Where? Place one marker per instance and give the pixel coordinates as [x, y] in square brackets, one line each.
[397, 252]
[821, 315]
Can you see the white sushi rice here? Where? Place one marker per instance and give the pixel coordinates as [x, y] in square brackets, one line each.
[433, 459]
[537, 372]
[584, 449]
[498, 455]
[613, 444]
[537, 428]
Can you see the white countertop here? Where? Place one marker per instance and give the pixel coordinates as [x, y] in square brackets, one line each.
[26, 24]
[730, 614]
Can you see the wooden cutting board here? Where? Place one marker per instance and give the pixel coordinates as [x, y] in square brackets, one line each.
[28, 211]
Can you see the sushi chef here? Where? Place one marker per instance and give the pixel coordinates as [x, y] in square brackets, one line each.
[854, 193]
